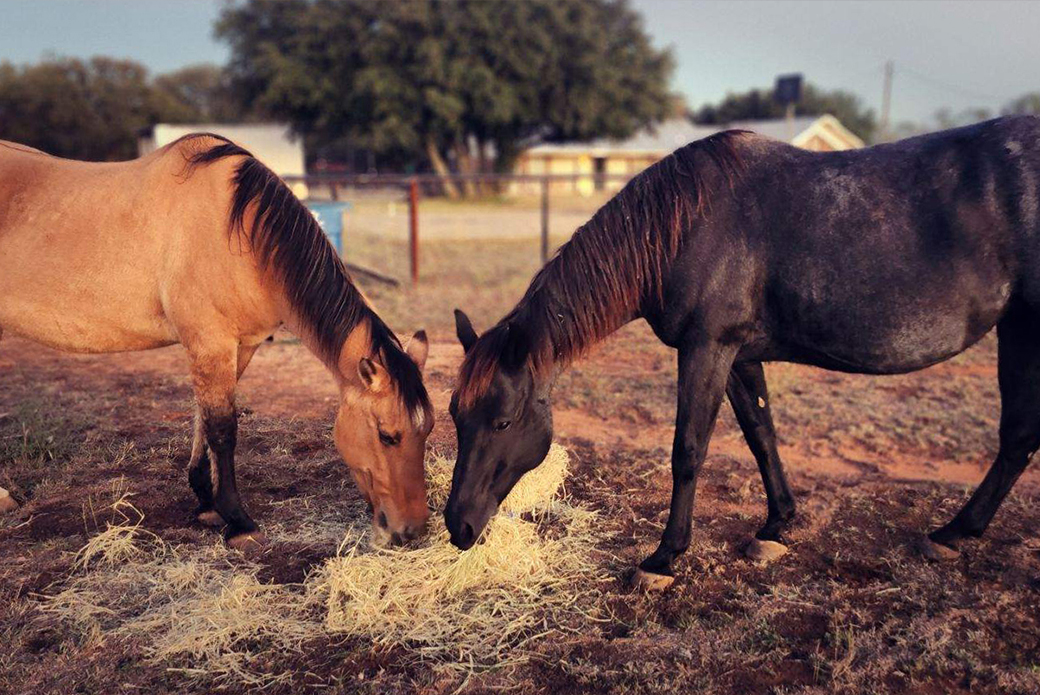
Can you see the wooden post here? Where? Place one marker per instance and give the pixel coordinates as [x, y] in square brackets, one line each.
[413, 228]
[545, 220]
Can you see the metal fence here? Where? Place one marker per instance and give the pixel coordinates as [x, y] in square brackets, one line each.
[415, 188]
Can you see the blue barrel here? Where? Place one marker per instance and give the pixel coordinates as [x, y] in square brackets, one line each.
[330, 216]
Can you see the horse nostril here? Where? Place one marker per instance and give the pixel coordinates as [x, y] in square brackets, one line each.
[467, 534]
[382, 519]
[395, 538]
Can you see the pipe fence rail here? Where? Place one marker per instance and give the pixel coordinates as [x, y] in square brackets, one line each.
[412, 186]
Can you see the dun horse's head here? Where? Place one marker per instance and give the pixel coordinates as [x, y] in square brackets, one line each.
[504, 426]
[381, 432]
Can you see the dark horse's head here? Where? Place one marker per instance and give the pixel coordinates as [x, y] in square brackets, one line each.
[504, 424]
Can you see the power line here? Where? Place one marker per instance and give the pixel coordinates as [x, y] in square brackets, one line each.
[950, 87]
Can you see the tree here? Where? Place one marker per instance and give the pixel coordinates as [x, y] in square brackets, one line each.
[197, 94]
[450, 83]
[1027, 104]
[81, 109]
[758, 104]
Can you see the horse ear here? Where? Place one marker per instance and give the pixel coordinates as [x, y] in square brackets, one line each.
[464, 330]
[372, 374]
[418, 349]
[518, 347]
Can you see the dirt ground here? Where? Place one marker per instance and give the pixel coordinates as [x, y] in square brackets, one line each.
[873, 461]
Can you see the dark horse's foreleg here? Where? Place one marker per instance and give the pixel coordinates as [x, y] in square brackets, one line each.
[750, 400]
[200, 466]
[214, 376]
[1018, 336]
[703, 370]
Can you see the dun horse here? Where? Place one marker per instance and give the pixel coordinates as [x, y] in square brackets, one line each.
[200, 244]
[737, 250]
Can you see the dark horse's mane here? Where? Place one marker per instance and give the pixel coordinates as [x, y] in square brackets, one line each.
[285, 236]
[612, 266]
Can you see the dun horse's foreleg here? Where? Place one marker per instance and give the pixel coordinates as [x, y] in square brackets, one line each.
[200, 475]
[750, 400]
[214, 374]
[1018, 338]
[200, 468]
[703, 370]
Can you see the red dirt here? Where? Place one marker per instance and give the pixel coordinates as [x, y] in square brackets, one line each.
[851, 608]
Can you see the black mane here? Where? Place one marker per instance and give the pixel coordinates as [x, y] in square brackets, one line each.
[284, 235]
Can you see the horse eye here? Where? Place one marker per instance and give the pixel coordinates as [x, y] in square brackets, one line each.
[502, 425]
[388, 440]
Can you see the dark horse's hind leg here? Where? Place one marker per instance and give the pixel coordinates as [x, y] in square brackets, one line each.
[1018, 336]
[750, 400]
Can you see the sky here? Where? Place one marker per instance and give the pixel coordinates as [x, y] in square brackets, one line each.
[945, 54]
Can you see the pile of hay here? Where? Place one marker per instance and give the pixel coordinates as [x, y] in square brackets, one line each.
[470, 608]
[204, 612]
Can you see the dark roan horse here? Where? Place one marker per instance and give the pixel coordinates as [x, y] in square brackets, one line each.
[737, 249]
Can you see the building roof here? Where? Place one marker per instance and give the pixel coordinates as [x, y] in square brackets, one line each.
[672, 134]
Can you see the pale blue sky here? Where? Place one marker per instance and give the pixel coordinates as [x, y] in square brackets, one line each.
[956, 54]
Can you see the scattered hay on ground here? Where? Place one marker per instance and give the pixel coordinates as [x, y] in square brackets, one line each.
[202, 611]
[472, 609]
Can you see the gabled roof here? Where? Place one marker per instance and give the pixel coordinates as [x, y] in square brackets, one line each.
[672, 134]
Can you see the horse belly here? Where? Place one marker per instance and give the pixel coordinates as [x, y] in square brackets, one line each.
[79, 302]
[890, 333]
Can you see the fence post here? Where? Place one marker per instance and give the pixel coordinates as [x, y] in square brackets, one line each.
[545, 220]
[413, 228]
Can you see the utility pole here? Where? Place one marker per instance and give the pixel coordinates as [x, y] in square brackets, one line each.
[886, 100]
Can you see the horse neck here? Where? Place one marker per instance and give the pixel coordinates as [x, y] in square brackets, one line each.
[564, 315]
[344, 365]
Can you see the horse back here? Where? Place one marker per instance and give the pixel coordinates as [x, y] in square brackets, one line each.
[118, 256]
[890, 258]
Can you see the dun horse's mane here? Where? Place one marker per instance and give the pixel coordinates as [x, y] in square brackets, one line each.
[285, 236]
[613, 265]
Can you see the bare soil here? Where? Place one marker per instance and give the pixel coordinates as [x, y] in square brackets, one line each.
[851, 608]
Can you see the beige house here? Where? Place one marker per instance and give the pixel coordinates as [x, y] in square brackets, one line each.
[597, 161]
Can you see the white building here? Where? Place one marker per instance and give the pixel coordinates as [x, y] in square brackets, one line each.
[274, 144]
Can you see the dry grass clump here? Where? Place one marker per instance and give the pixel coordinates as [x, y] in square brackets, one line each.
[200, 611]
[471, 609]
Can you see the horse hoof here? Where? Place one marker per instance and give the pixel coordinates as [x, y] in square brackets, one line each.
[248, 543]
[764, 551]
[7, 503]
[936, 552]
[648, 581]
[210, 518]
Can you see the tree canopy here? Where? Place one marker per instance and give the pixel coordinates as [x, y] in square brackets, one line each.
[759, 104]
[72, 108]
[95, 109]
[199, 93]
[448, 83]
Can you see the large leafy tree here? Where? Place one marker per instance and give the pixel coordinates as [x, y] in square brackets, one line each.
[1028, 104]
[72, 108]
[197, 94]
[451, 82]
[759, 104]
